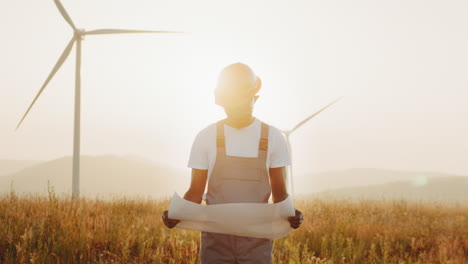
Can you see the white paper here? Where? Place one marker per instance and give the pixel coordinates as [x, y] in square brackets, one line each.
[262, 220]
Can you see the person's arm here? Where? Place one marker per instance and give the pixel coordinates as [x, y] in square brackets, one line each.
[278, 186]
[279, 193]
[197, 186]
[193, 194]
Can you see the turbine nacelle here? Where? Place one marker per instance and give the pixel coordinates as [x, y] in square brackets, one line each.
[80, 34]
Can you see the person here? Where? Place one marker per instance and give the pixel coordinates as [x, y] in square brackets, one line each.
[243, 160]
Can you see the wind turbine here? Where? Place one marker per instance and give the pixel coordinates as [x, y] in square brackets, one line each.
[287, 133]
[78, 36]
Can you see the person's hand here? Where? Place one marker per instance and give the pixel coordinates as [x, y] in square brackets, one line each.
[295, 221]
[170, 223]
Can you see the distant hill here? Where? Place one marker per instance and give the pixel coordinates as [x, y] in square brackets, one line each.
[12, 166]
[107, 175]
[441, 189]
[100, 175]
[354, 177]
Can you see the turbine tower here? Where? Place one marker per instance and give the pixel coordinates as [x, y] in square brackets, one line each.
[78, 36]
[287, 133]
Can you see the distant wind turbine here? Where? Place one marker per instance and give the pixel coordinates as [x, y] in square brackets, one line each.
[287, 133]
[78, 36]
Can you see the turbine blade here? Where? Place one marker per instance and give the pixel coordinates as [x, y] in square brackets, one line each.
[124, 31]
[316, 113]
[57, 66]
[64, 13]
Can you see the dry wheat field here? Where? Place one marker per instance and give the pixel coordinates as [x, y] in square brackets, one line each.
[52, 229]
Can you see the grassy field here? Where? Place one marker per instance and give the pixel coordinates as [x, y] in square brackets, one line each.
[59, 230]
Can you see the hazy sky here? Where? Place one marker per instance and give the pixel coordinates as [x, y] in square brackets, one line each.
[401, 65]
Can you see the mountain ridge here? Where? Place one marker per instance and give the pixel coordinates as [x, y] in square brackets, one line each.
[99, 174]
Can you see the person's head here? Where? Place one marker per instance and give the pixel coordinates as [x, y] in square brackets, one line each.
[236, 90]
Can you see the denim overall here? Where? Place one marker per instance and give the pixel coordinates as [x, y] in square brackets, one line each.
[237, 180]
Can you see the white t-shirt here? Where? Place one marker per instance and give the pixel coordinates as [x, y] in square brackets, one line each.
[241, 142]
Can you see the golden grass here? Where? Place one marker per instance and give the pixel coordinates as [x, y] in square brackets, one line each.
[58, 230]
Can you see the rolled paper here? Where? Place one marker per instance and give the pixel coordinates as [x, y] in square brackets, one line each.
[261, 220]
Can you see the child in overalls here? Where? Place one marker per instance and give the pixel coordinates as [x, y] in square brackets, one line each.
[243, 161]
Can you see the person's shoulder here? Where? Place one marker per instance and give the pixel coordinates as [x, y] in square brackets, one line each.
[271, 129]
[209, 131]
[273, 132]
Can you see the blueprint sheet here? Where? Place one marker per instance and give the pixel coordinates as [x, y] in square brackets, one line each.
[262, 220]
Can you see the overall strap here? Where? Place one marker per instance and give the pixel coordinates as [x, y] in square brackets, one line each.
[263, 144]
[220, 140]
